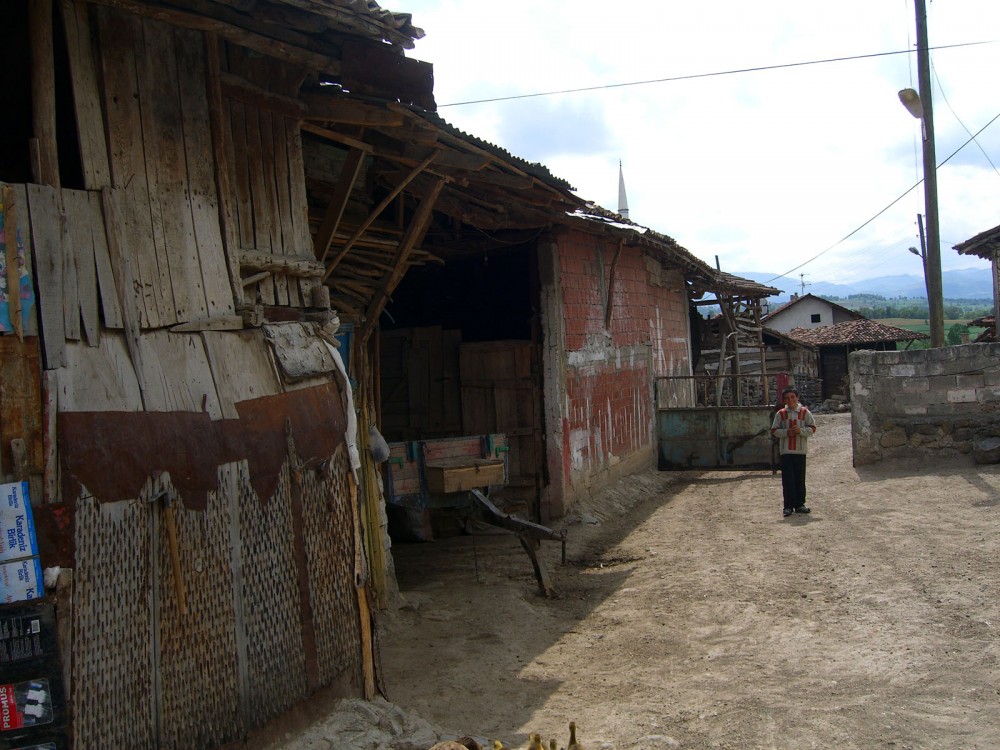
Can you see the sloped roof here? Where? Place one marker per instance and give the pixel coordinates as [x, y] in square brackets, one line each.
[362, 17]
[784, 338]
[797, 300]
[710, 278]
[983, 245]
[861, 331]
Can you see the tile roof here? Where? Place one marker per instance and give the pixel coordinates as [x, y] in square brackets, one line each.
[862, 331]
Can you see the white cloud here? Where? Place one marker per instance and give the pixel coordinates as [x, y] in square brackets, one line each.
[766, 169]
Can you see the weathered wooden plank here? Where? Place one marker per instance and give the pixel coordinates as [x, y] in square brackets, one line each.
[109, 294]
[181, 366]
[115, 206]
[20, 403]
[260, 43]
[100, 378]
[86, 96]
[46, 239]
[71, 240]
[200, 156]
[299, 203]
[23, 237]
[166, 170]
[80, 235]
[219, 119]
[43, 92]
[9, 260]
[282, 193]
[242, 368]
[271, 205]
[117, 32]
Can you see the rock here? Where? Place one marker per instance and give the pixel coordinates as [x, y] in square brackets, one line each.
[986, 451]
[893, 438]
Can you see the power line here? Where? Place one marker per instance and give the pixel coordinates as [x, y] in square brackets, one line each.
[953, 112]
[897, 200]
[692, 76]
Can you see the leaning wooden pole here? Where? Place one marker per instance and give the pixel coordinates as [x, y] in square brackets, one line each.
[45, 160]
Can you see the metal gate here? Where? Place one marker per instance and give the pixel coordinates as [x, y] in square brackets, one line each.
[715, 422]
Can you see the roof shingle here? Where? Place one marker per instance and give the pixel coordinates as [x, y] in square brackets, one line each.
[862, 331]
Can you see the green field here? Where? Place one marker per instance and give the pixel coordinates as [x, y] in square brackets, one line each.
[920, 325]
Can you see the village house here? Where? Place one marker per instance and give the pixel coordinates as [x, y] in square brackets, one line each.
[237, 238]
[807, 311]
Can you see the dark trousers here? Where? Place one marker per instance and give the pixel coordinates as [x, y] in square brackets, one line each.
[793, 480]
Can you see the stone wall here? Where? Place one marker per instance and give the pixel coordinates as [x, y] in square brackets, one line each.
[935, 402]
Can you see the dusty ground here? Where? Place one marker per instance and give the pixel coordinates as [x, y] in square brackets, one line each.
[692, 615]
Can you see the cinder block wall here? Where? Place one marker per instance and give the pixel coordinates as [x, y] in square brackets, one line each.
[931, 402]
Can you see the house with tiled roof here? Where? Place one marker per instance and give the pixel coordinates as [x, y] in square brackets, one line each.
[835, 342]
[807, 311]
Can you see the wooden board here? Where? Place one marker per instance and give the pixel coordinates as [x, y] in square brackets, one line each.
[109, 293]
[120, 33]
[46, 241]
[241, 367]
[99, 378]
[79, 243]
[178, 376]
[166, 170]
[86, 96]
[461, 475]
[20, 401]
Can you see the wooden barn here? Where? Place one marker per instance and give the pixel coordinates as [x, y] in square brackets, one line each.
[237, 237]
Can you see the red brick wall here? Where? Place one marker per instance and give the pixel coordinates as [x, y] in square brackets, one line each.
[608, 417]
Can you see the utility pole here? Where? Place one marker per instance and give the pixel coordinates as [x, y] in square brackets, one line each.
[932, 257]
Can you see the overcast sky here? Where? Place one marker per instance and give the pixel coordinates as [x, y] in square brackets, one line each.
[765, 169]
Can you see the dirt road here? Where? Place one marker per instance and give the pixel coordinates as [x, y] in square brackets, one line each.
[692, 615]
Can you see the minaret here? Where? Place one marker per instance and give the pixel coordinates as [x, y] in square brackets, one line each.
[622, 199]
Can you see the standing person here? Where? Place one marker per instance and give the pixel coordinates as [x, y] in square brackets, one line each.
[792, 425]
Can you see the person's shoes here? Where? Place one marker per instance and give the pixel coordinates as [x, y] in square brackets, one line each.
[802, 509]
[787, 512]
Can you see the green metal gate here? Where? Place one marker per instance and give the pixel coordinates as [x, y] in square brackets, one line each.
[715, 422]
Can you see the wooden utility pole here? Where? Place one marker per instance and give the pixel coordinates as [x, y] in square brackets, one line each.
[932, 260]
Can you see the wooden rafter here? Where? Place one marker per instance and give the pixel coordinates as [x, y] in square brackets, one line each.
[249, 39]
[414, 233]
[377, 211]
[338, 203]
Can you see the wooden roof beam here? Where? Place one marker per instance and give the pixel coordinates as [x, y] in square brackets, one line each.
[251, 40]
[336, 110]
[375, 214]
[414, 234]
[338, 203]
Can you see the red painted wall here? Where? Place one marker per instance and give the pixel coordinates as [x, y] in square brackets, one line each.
[608, 416]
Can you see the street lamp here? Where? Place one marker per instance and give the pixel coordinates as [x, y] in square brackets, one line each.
[919, 105]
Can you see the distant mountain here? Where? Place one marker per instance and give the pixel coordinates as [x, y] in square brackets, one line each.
[965, 283]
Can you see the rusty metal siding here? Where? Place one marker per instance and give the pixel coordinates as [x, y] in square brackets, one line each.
[329, 538]
[275, 657]
[112, 627]
[197, 668]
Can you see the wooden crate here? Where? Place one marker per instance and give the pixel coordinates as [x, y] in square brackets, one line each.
[462, 475]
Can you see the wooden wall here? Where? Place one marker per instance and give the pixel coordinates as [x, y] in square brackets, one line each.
[163, 202]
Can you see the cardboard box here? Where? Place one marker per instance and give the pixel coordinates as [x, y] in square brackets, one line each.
[17, 527]
[21, 580]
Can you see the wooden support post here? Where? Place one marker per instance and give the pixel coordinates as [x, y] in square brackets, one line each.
[43, 92]
[360, 587]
